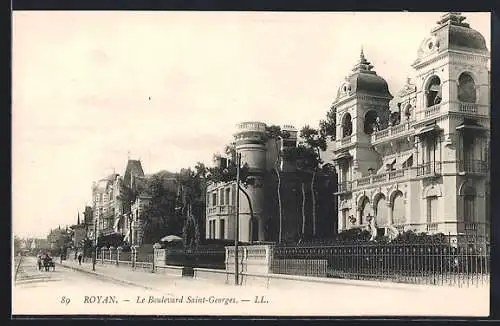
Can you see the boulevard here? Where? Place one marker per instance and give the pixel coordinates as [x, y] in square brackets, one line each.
[75, 289]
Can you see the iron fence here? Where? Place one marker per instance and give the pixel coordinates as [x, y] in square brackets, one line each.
[463, 264]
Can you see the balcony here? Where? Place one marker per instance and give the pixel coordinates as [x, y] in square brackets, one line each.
[107, 231]
[344, 142]
[429, 112]
[221, 210]
[429, 169]
[344, 187]
[392, 132]
[473, 166]
[384, 177]
[432, 227]
[467, 107]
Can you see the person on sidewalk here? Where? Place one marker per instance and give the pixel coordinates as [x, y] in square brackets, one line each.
[80, 255]
[39, 262]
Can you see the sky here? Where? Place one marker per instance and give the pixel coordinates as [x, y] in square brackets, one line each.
[91, 89]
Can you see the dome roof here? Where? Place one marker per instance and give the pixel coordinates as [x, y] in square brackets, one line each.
[364, 80]
[452, 33]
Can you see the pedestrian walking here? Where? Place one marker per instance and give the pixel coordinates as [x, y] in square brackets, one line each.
[80, 256]
[39, 262]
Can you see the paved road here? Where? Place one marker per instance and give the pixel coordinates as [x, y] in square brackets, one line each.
[44, 292]
[48, 292]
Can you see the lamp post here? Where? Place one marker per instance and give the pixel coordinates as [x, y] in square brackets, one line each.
[94, 252]
[237, 218]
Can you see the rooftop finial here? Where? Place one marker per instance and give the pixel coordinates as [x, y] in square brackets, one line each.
[453, 18]
[363, 65]
[128, 155]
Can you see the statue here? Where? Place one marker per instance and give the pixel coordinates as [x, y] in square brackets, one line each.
[372, 227]
[393, 232]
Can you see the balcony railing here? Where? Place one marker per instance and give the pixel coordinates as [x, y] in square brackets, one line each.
[473, 166]
[345, 186]
[221, 209]
[391, 131]
[428, 169]
[432, 110]
[467, 107]
[384, 177]
[346, 140]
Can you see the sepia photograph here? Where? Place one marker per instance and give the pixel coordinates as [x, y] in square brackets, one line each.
[251, 163]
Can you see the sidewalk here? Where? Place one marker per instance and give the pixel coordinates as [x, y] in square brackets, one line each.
[300, 298]
[139, 277]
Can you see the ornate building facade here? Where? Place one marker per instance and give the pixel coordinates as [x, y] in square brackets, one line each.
[424, 165]
[109, 208]
[260, 153]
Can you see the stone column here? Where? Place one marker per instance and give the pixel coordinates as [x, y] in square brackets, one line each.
[111, 249]
[118, 252]
[389, 213]
[134, 255]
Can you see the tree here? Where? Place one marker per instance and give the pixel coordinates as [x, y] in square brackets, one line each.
[191, 200]
[314, 141]
[17, 244]
[159, 216]
[274, 132]
[328, 127]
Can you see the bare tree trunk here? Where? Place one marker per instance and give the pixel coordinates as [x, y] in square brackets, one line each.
[279, 191]
[313, 197]
[303, 186]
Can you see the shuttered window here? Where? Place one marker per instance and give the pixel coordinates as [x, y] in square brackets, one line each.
[432, 209]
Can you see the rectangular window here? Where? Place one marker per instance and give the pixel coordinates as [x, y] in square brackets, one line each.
[469, 214]
[222, 196]
[214, 199]
[432, 209]
[344, 219]
[221, 229]
[228, 196]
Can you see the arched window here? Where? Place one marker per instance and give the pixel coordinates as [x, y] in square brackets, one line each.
[371, 122]
[466, 88]
[365, 210]
[433, 91]
[398, 209]
[381, 211]
[346, 125]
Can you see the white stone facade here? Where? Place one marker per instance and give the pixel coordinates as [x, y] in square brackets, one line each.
[425, 167]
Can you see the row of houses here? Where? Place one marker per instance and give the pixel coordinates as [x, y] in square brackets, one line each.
[417, 161]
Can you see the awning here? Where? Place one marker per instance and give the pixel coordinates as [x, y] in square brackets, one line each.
[342, 156]
[386, 162]
[427, 129]
[402, 160]
[471, 125]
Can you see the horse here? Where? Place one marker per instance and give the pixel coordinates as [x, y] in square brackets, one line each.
[48, 263]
